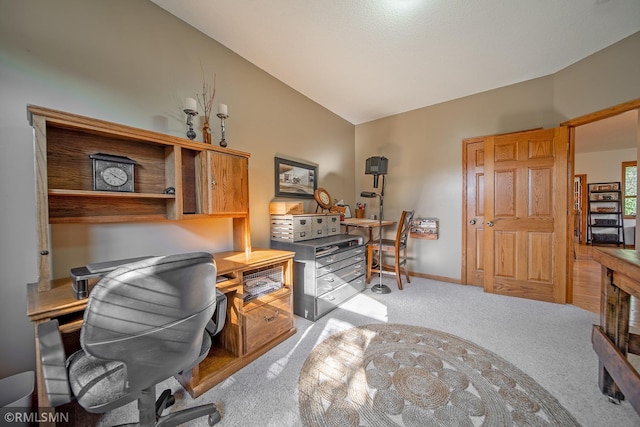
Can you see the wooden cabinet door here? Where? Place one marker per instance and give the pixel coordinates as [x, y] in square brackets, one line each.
[227, 184]
[526, 210]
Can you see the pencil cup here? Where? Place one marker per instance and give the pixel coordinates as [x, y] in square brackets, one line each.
[359, 213]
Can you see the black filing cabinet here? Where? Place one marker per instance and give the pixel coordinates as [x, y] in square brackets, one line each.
[327, 272]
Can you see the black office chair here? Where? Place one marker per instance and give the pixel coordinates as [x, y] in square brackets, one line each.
[144, 322]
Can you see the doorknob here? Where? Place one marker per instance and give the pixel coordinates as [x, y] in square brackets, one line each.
[490, 223]
[472, 222]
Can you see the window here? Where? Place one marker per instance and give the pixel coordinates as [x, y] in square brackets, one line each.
[630, 187]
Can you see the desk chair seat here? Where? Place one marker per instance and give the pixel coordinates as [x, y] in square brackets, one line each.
[398, 247]
[144, 322]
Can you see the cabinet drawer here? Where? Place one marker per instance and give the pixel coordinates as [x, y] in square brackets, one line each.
[266, 322]
[339, 256]
[332, 281]
[333, 225]
[319, 226]
[321, 271]
[331, 300]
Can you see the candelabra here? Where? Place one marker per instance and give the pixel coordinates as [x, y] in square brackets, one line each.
[223, 114]
[191, 111]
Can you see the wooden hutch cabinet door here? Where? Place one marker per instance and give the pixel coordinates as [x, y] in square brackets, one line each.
[227, 184]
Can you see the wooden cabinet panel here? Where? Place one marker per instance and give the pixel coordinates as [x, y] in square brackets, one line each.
[267, 322]
[227, 183]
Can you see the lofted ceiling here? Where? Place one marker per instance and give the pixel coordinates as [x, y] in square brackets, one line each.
[368, 59]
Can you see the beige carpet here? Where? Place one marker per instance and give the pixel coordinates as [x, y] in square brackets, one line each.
[390, 374]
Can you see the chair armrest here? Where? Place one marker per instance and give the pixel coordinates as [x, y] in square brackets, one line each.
[53, 361]
[216, 323]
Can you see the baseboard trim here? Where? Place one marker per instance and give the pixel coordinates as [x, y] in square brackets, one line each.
[438, 278]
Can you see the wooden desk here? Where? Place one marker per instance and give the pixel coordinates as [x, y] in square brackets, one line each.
[369, 224]
[245, 336]
[612, 340]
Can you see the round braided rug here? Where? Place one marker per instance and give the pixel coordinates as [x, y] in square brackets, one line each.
[401, 375]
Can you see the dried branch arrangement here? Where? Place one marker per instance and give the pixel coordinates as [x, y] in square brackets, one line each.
[206, 103]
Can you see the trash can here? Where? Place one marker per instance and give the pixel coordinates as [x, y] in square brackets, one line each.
[15, 398]
[16, 391]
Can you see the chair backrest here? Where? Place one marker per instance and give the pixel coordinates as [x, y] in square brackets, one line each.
[402, 234]
[151, 315]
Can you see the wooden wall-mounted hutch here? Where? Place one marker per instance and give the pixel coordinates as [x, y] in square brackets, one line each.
[175, 179]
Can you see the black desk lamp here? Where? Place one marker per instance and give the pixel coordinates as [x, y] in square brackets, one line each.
[377, 166]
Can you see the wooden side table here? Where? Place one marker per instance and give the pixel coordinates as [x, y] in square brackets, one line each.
[612, 341]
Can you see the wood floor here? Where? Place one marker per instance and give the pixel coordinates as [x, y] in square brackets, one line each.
[586, 284]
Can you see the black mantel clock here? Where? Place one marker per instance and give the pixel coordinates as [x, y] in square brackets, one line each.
[113, 173]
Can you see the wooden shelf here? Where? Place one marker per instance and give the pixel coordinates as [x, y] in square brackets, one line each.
[90, 193]
[207, 181]
[424, 228]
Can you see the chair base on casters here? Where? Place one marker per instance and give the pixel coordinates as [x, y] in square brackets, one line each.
[151, 412]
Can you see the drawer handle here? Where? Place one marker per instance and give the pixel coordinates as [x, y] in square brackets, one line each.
[359, 259]
[330, 298]
[272, 318]
[330, 259]
[329, 279]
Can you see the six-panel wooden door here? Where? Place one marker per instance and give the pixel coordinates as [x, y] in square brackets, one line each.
[525, 232]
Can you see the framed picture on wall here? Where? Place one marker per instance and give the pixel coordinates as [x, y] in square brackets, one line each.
[295, 179]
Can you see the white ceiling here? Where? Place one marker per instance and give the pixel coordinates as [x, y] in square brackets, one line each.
[367, 59]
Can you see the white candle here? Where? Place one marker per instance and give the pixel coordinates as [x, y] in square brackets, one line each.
[222, 109]
[190, 104]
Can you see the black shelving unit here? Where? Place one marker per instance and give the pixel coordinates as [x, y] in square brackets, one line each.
[604, 219]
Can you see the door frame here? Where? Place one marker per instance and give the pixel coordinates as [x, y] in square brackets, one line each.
[571, 125]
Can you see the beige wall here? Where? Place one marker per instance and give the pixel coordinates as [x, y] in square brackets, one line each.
[603, 166]
[424, 146]
[130, 62]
